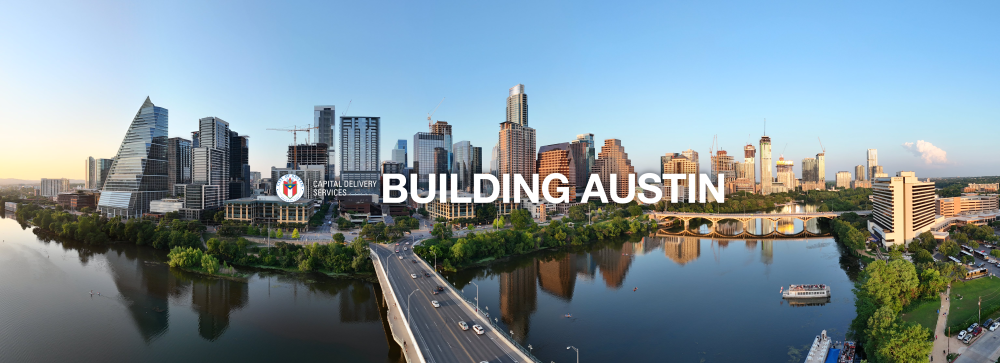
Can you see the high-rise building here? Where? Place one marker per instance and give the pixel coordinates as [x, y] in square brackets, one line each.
[677, 163]
[692, 155]
[557, 159]
[52, 187]
[516, 150]
[765, 165]
[239, 166]
[463, 164]
[903, 207]
[399, 153]
[859, 173]
[582, 153]
[517, 106]
[424, 164]
[877, 172]
[589, 154]
[310, 154]
[722, 163]
[103, 169]
[872, 163]
[785, 174]
[477, 161]
[810, 170]
[138, 174]
[325, 120]
[443, 128]
[359, 153]
[843, 179]
[210, 164]
[178, 162]
[749, 158]
[391, 167]
[614, 160]
[821, 169]
[90, 173]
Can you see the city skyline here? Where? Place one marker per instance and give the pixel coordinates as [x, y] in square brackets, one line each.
[841, 77]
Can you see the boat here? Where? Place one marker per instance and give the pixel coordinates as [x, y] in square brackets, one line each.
[820, 349]
[806, 291]
[847, 353]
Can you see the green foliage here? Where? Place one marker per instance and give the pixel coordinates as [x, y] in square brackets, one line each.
[882, 291]
[338, 237]
[635, 210]
[185, 257]
[441, 231]
[520, 219]
[209, 264]
[295, 233]
[950, 248]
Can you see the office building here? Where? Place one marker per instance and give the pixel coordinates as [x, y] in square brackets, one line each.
[325, 120]
[517, 106]
[359, 154]
[859, 173]
[450, 210]
[587, 151]
[462, 164]
[96, 172]
[79, 199]
[861, 183]
[744, 182]
[424, 165]
[90, 173]
[178, 161]
[164, 206]
[878, 173]
[558, 159]
[270, 210]
[981, 188]
[722, 163]
[821, 169]
[903, 207]
[843, 179]
[254, 178]
[872, 163]
[310, 175]
[749, 158]
[210, 165]
[399, 153]
[52, 187]
[765, 165]
[139, 173]
[811, 175]
[966, 204]
[516, 150]
[677, 163]
[239, 166]
[390, 167]
[444, 129]
[614, 160]
[310, 155]
[785, 174]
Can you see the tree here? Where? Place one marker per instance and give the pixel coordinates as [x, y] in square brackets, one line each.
[295, 233]
[499, 222]
[924, 256]
[520, 219]
[634, 210]
[279, 234]
[210, 264]
[949, 248]
[441, 231]
[338, 237]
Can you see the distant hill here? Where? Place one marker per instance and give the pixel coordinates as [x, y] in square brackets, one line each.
[9, 181]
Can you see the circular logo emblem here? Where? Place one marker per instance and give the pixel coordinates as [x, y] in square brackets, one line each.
[290, 188]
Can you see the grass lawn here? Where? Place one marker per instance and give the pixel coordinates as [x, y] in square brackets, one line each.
[967, 308]
[924, 313]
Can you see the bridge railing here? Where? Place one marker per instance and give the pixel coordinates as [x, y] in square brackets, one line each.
[483, 314]
[380, 271]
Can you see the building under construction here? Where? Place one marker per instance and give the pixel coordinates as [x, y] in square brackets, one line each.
[309, 154]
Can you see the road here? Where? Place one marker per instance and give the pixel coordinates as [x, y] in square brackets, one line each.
[436, 329]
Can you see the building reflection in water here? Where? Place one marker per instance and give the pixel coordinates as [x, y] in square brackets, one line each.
[558, 276]
[614, 264]
[213, 300]
[681, 250]
[146, 287]
[354, 306]
[518, 298]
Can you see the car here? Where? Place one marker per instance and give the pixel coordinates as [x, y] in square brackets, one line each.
[427, 274]
[988, 322]
[405, 248]
[400, 257]
[973, 326]
[478, 329]
[413, 276]
[463, 325]
[967, 339]
[434, 292]
[435, 303]
[995, 325]
[414, 260]
[439, 288]
[961, 335]
[397, 251]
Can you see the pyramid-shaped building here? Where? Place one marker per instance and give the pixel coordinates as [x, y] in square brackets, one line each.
[138, 174]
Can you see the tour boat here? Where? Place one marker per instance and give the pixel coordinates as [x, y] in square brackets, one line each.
[806, 291]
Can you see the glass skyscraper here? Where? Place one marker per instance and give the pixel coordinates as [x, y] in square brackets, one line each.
[139, 172]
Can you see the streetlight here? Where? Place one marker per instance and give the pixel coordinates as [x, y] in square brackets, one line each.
[577, 353]
[408, 306]
[477, 296]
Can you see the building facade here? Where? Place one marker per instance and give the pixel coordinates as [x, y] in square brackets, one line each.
[903, 207]
[843, 179]
[765, 165]
[310, 175]
[269, 210]
[399, 154]
[325, 120]
[872, 163]
[517, 106]
[424, 145]
[138, 174]
[859, 172]
[239, 166]
[968, 203]
[178, 161]
[557, 159]
[516, 151]
[614, 160]
[785, 174]
[359, 154]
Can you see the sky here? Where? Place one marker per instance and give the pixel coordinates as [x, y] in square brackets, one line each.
[917, 80]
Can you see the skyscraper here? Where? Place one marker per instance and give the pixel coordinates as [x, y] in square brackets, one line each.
[614, 160]
[52, 187]
[324, 120]
[359, 153]
[517, 106]
[821, 169]
[239, 166]
[399, 153]
[589, 149]
[785, 175]
[178, 162]
[103, 168]
[90, 173]
[843, 179]
[209, 165]
[872, 163]
[859, 173]
[765, 165]
[749, 158]
[516, 150]
[424, 164]
[463, 164]
[139, 172]
[443, 128]
[310, 155]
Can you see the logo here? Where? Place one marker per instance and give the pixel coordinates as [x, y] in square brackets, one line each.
[290, 188]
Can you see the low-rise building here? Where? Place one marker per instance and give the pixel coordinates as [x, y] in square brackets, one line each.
[164, 206]
[987, 188]
[967, 203]
[262, 210]
[861, 184]
[83, 198]
[451, 210]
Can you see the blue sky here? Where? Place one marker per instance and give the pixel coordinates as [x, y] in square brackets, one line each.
[660, 76]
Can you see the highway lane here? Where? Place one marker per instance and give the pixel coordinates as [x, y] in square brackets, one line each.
[436, 329]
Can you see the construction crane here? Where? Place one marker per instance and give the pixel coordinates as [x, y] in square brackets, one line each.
[429, 114]
[821, 144]
[348, 108]
[295, 141]
[783, 150]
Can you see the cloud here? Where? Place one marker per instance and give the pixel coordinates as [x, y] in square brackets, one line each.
[927, 151]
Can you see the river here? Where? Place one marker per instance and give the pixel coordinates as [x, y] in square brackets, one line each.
[694, 300]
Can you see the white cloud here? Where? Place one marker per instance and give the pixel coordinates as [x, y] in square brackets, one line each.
[927, 151]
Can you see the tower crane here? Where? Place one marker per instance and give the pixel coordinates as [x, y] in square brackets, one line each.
[295, 141]
[821, 144]
[429, 114]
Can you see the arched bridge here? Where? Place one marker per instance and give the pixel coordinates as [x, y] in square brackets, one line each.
[745, 218]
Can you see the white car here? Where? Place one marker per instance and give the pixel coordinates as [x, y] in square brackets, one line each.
[463, 325]
[435, 303]
[400, 257]
[413, 276]
[995, 326]
[478, 329]
[961, 335]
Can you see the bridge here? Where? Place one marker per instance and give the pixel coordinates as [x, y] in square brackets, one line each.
[669, 218]
[432, 334]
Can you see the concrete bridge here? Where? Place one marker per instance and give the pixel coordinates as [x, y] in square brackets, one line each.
[432, 334]
[744, 235]
[744, 218]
